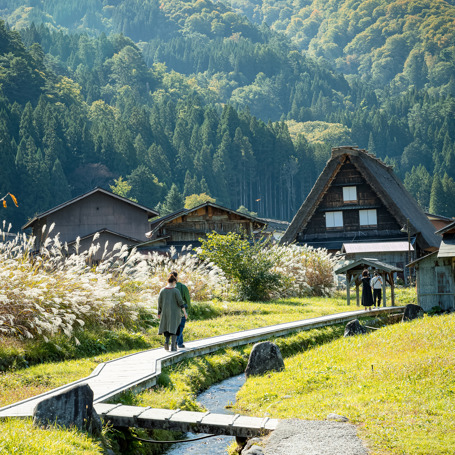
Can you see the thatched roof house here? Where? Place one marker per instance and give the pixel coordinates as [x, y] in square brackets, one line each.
[358, 198]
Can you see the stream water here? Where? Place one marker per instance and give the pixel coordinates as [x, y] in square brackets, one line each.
[214, 400]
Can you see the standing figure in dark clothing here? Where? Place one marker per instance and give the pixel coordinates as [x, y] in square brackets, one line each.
[170, 307]
[367, 296]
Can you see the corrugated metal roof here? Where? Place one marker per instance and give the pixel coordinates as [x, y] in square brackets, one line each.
[359, 264]
[447, 248]
[375, 247]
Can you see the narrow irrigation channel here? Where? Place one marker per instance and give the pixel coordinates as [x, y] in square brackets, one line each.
[213, 399]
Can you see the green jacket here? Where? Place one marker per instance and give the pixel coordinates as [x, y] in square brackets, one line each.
[184, 293]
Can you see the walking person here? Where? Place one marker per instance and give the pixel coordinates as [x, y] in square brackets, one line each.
[376, 283]
[170, 306]
[367, 296]
[185, 293]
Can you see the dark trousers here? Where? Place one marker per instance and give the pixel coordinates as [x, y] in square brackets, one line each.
[180, 335]
[377, 294]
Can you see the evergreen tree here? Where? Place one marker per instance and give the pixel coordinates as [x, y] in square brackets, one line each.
[437, 197]
[173, 202]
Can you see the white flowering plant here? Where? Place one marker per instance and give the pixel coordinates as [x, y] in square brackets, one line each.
[53, 291]
[56, 291]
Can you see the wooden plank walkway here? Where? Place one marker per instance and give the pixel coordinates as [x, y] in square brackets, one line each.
[139, 371]
[185, 421]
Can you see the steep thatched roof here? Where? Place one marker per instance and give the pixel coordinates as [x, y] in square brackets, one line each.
[383, 181]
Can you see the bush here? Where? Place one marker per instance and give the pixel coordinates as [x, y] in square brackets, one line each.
[261, 271]
[246, 264]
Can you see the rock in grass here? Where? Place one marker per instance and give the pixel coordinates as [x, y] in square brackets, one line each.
[412, 312]
[337, 418]
[264, 357]
[73, 408]
[354, 328]
[253, 450]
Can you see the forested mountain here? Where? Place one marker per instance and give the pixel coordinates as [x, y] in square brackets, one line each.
[178, 96]
[398, 43]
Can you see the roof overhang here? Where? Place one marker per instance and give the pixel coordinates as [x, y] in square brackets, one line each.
[376, 247]
[361, 263]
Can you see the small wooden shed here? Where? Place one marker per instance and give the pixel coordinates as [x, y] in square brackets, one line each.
[354, 270]
[435, 273]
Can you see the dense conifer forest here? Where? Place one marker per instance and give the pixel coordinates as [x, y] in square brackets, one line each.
[238, 100]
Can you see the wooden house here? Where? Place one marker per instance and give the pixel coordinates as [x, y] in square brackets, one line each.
[435, 274]
[439, 221]
[357, 198]
[185, 227]
[113, 217]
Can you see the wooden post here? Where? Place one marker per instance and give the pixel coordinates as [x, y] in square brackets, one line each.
[392, 289]
[384, 286]
[357, 293]
[348, 287]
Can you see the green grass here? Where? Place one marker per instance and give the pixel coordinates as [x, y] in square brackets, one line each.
[22, 437]
[206, 319]
[397, 384]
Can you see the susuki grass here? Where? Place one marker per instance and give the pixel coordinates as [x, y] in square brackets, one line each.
[397, 384]
[52, 291]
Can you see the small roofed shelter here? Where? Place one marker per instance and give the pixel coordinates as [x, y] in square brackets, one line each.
[397, 253]
[354, 270]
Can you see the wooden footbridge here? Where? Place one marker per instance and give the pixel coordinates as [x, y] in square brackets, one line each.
[139, 371]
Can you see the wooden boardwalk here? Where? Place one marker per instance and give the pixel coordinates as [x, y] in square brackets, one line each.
[140, 371]
[185, 421]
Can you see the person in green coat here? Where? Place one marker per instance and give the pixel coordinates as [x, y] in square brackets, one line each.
[185, 293]
[170, 306]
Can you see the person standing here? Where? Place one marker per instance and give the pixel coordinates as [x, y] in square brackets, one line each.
[376, 283]
[185, 293]
[170, 306]
[367, 296]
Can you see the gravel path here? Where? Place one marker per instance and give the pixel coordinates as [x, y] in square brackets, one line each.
[311, 437]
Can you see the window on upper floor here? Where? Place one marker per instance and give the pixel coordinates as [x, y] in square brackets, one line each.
[349, 194]
[368, 218]
[333, 219]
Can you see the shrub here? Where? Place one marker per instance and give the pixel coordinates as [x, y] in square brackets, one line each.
[260, 271]
[247, 264]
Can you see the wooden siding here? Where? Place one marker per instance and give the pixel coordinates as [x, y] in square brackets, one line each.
[348, 175]
[435, 283]
[94, 213]
[191, 226]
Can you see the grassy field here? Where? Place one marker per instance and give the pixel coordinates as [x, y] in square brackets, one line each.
[206, 319]
[397, 384]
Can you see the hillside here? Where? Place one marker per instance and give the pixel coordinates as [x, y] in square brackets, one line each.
[398, 43]
[184, 95]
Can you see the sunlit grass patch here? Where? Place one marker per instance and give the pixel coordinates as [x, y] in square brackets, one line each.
[397, 383]
[22, 437]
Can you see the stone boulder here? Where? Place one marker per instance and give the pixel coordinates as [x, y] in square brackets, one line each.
[264, 357]
[253, 450]
[412, 311]
[73, 408]
[354, 328]
[251, 447]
